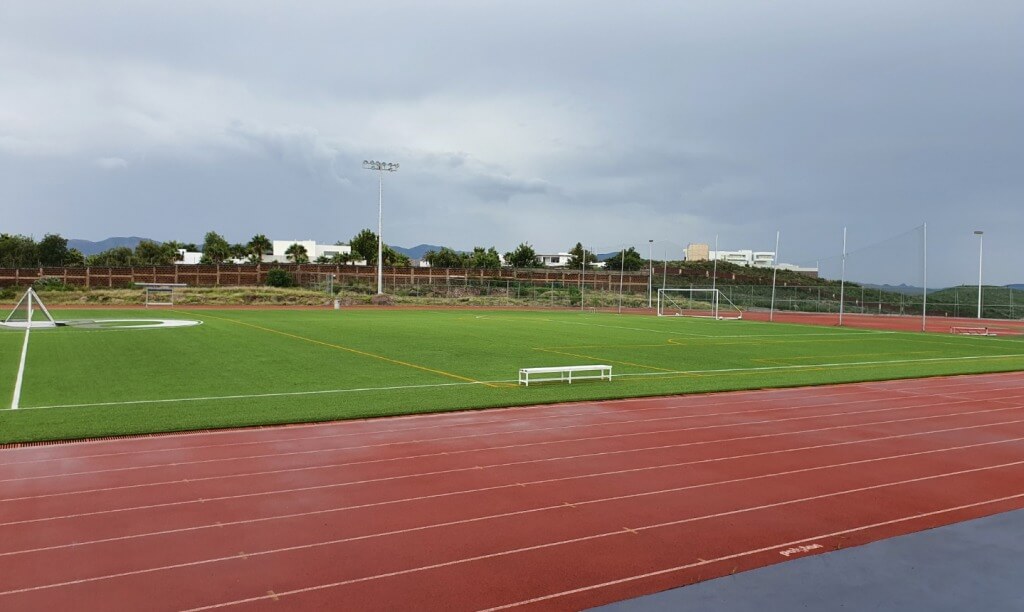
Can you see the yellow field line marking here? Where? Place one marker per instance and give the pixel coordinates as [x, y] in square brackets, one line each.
[356, 351]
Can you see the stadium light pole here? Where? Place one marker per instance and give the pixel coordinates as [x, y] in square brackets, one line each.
[775, 272]
[714, 281]
[622, 272]
[981, 251]
[842, 280]
[380, 167]
[650, 271]
[924, 281]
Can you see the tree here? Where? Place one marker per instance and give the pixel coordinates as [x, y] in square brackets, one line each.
[52, 250]
[633, 261]
[215, 248]
[577, 260]
[445, 258]
[481, 258]
[523, 257]
[18, 251]
[342, 258]
[364, 244]
[258, 246]
[297, 253]
[117, 257]
[75, 259]
[394, 258]
[239, 251]
[149, 253]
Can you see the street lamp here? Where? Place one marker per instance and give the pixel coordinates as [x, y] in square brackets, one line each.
[381, 168]
[650, 274]
[981, 251]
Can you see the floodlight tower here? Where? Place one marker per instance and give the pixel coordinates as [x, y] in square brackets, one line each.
[381, 168]
[981, 251]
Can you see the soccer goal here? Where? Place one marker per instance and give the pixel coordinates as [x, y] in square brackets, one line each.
[710, 303]
[29, 312]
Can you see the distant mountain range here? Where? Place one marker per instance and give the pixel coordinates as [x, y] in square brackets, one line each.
[418, 251]
[88, 247]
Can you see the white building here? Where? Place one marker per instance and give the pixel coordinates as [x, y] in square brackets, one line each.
[554, 260]
[745, 257]
[313, 250]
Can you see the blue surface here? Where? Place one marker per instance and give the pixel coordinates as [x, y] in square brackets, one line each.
[974, 565]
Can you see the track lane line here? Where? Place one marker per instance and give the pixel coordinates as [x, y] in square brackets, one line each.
[502, 433]
[619, 532]
[561, 506]
[407, 476]
[747, 553]
[221, 524]
[876, 386]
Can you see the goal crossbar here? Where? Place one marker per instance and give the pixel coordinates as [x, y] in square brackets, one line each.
[705, 303]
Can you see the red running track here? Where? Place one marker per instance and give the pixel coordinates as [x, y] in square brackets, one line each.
[547, 507]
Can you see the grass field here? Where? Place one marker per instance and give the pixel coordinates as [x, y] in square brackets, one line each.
[249, 367]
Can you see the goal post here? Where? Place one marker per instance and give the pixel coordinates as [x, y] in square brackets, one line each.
[705, 303]
[29, 312]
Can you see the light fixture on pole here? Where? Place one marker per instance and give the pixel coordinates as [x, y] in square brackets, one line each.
[981, 251]
[650, 271]
[381, 168]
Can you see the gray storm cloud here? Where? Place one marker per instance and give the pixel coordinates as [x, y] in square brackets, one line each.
[551, 123]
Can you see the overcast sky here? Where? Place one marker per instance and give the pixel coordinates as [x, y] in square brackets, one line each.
[610, 123]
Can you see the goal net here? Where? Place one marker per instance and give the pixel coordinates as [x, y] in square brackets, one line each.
[29, 312]
[710, 303]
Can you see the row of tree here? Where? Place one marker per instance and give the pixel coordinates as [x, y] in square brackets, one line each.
[52, 251]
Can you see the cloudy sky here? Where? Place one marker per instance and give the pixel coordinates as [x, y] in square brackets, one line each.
[610, 123]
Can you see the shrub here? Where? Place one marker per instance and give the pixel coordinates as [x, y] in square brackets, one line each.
[280, 278]
[51, 283]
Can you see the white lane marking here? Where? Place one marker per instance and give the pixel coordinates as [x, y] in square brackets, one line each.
[561, 506]
[522, 431]
[469, 491]
[802, 366]
[399, 477]
[16, 398]
[969, 382]
[689, 402]
[748, 553]
[620, 532]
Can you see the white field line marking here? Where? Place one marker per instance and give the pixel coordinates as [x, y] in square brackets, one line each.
[561, 506]
[525, 431]
[844, 332]
[970, 382]
[826, 365]
[617, 532]
[408, 476]
[748, 553]
[689, 403]
[16, 398]
[501, 465]
[803, 366]
[468, 491]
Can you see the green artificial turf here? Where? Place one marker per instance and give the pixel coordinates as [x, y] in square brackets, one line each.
[249, 367]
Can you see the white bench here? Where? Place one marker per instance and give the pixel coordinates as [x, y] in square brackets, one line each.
[564, 373]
